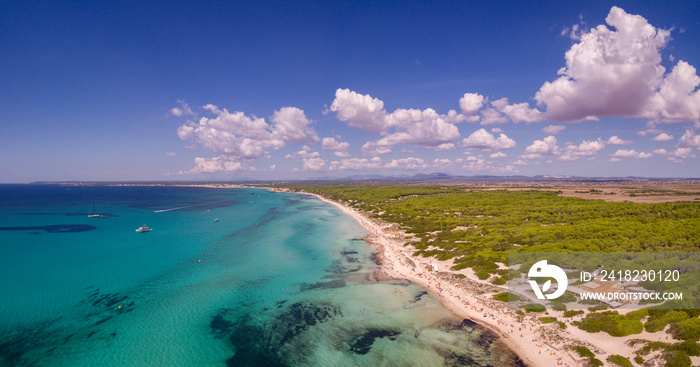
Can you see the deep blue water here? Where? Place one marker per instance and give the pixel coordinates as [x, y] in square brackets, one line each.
[279, 280]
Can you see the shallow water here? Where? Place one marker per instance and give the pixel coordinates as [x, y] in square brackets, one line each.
[279, 280]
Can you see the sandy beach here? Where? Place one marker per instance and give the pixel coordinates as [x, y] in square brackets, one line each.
[536, 343]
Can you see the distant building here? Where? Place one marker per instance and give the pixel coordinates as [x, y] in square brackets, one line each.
[391, 234]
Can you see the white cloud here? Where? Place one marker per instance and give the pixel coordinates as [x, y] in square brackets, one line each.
[663, 137]
[483, 140]
[609, 72]
[492, 116]
[677, 99]
[426, 128]
[313, 164]
[357, 164]
[615, 140]
[631, 153]
[305, 152]
[470, 103]
[495, 130]
[444, 147]
[498, 155]
[585, 149]
[170, 154]
[441, 163]
[423, 127]
[407, 163]
[372, 148]
[292, 126]
[553, 129]
[239, 136]
[359, 110]
[689, 140]
[520, 112]
[341, 154]
[216, 164]
[184, 109]
[332, 144]
[541, 148]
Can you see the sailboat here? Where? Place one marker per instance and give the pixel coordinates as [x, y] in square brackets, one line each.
[92, 213]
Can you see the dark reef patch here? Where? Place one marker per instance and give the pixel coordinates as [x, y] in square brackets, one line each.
[259, 344]
[419, 296]
[363, 344]
[331, 284]
[299, 317]
[54, 228]
[454, 359]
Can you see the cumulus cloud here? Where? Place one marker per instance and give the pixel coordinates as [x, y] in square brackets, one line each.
[541, 148]
[676, 156]
[305, 152]
[313, 164]
[359, 110]
[617, 71]
[663, 137]
[341, 154]
[411, 126]
[520, 112]
[357, 164]
[409, 163]
[631, 153]
[444, 147]
[615, 140]
[332, 144]
[373, 148]
[492, 116]
[498, 155]
[678, 98]
[240, 136]
[483, 140]
[216, 164]
[553, 129]
[689, 140]
[441, 163]
[470, 103]
[311, 160]
[585, 149]
[184, 109]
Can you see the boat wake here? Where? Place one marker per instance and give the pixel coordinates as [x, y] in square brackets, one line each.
[186, 207]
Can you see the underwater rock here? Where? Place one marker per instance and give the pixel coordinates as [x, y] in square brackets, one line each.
[363, 344]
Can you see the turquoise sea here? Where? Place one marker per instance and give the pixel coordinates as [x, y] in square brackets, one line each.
[280, 279]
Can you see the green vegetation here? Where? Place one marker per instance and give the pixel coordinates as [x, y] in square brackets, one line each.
[620, 360]
[572, 313]
[586, 353]
[547, 320]
[612, 323]
[478, 228]
[534, 307]
[506, 297]
[677, 355]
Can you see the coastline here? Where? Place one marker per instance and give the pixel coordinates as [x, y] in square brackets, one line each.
[461, 292]
[466, 296]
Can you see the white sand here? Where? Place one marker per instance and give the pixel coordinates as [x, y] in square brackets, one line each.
[536, 343]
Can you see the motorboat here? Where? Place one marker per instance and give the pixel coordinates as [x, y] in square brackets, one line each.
[143, 228]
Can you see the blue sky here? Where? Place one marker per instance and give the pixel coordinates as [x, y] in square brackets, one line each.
[225, 91]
